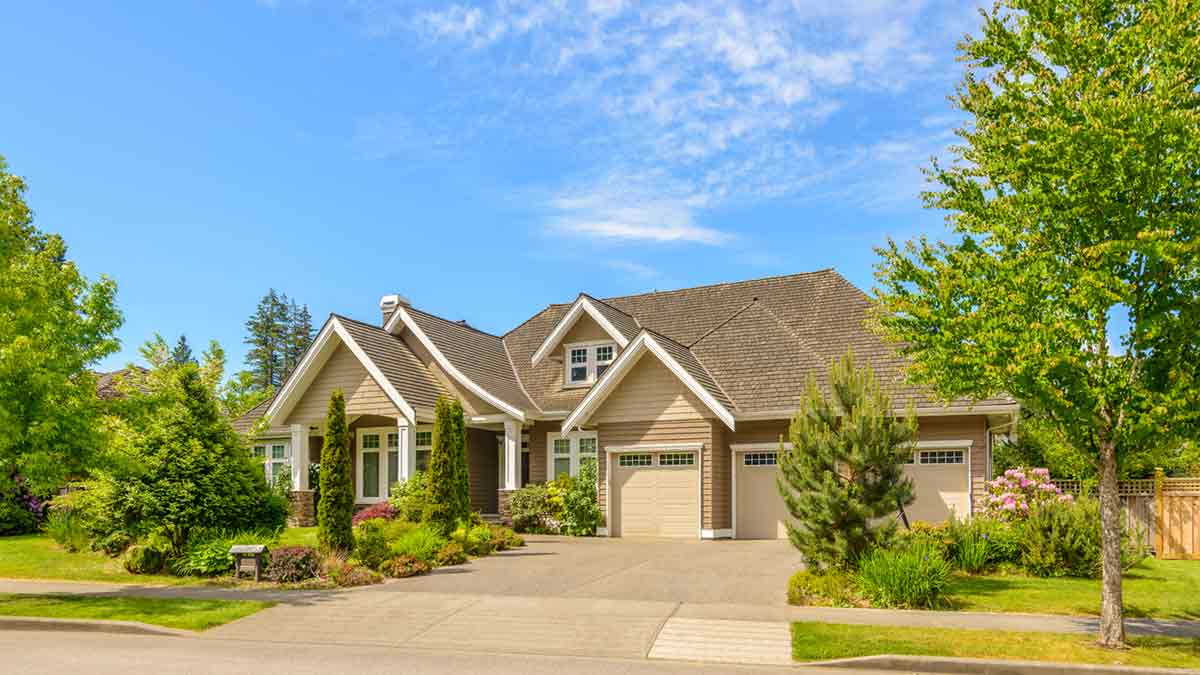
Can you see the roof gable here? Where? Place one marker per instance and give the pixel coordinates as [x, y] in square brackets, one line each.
[616, 324]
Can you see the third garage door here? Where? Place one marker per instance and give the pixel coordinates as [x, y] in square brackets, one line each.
[760, 511]
[655, 494]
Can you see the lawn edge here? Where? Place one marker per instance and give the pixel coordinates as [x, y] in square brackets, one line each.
[37, 623]
[954, 665]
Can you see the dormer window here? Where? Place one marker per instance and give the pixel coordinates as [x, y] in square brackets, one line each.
[587, 362]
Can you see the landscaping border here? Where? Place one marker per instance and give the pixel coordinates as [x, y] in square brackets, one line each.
[955, 665]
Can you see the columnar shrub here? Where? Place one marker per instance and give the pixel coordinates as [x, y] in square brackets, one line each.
[293, 564]
[447, 470]
[1015, 493]
[336, 510]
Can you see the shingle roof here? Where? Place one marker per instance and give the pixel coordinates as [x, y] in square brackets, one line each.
[246, 421]
[407, 374]
[480, 356]
[688, 361]
[625, 324]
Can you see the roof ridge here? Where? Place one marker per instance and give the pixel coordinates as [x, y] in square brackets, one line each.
[615, 309]
[527, 321]
[343, 317]
[785, 327]
[455, 323]
[516, 376]
[721, 283]
[703, 365]
[717, 327]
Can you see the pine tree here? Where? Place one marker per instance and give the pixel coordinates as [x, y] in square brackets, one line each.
[844, 472]
[335, 510]
[266, 338]
[449, 494]
[299, 335]
[183, 352]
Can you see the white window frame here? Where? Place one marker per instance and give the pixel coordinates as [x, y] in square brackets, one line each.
[418, 449]
[269, 463]
[574, 437]
[592, 361]
[384, 458]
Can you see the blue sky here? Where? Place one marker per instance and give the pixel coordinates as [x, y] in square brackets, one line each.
[484, 160]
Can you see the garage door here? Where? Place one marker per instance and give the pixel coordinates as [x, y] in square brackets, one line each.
[941, 485]
[655, 494]
[760, 511]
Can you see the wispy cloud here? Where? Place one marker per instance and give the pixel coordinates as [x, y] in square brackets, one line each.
[634, 269]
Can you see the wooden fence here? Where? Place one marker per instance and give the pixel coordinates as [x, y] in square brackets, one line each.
[1164, 511]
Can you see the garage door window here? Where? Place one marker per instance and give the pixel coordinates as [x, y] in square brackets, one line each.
[942, 457]
[677, 459]
[759, 459]
[636, 460]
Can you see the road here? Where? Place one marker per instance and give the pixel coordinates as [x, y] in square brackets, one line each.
[37, 651]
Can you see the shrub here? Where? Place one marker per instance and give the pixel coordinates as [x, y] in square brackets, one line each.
[450, 554]
[336, 508]
[580, 511]
[830, 588]
[144, 559]
[370, 544]
[422, 542]
[476, 541]
[533, 510]
[1017, 492]
[913, 577]
[382, 510]
[394, 529]
[20, 511]
[449, 489]
[65, 527]
[1064, 539]
[207, 552]
[504, 538]
[970, 548]
[113, 544]
[411, 498]
[293, 564]
[345, 574]
[924, 535]
[404, 566]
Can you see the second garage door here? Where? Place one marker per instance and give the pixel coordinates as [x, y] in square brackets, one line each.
[655, 494]
[941, 483]
[761, 513]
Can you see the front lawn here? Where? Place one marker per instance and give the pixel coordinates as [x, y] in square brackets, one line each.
[298, 536]
[36, 556]
[170, 612]
[1155, 588]
[823, 641]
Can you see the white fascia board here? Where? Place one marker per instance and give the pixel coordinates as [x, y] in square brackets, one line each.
[582, 304]
[642, 343]
[965, 443]
[375, 372]
[317, 353]
[937, 411]
[445, 364]
[759, 447]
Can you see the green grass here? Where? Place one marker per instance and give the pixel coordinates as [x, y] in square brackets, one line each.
[36, 556]
[823, 641]
[1157, 588]
[170, 612]
[298, 536]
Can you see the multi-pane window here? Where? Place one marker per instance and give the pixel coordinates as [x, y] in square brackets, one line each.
[368, 465]
[275, 460]
[635, 460]
[424, 445]
[568, 451]
[759, 459]
[677, 459]
[942, 457]
[587, 362]
[393, 449]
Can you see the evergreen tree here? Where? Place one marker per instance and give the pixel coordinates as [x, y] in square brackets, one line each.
[183, 352]
[266, 333]
[844, 473]
[335, 511]
[299, 335]
[447, 467]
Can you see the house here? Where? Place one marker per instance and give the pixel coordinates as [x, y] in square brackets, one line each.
[682, 397]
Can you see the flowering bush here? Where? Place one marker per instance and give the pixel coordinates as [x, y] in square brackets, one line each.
[381, 510]
[1012, 495]
[293, 564]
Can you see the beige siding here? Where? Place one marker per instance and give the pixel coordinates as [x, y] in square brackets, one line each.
[760, 431]
[645, 433]
[717, 479]
[585, 330]
[960, 427]
[537, 449]
[650, 392]
[342, 371]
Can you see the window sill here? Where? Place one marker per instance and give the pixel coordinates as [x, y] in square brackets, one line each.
[578, 385]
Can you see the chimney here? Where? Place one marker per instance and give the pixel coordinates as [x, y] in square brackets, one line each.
[389, 303]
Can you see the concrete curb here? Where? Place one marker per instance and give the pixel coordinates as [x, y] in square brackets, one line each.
[940, 664]
[89, 626]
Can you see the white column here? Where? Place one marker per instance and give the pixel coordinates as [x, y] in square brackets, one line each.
[407, 452]
[300, 457]
[512, 454]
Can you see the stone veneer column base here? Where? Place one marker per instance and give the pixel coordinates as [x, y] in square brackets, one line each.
[303, 512]
[502, 501]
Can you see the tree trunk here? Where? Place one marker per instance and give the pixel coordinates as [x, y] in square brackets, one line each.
[1112, 621]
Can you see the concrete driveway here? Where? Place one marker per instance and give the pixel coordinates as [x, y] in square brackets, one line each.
[743, 572]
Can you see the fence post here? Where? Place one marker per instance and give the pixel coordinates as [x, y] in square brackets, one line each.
[1159, 507]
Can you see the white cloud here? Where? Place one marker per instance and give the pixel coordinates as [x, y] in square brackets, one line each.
[634, 269]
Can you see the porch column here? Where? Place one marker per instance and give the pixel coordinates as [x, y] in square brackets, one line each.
[300, 457]
[407, 451]
[512, 454]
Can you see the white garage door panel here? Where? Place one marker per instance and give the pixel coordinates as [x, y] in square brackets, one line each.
[940, 490]
[761, 513]
[653, 501]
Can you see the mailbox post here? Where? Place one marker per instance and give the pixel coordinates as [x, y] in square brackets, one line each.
[248, 557]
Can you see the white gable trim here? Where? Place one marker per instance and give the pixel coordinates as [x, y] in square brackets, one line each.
[582, 304]
[406, 318]
[322, 347]
[608, 383]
